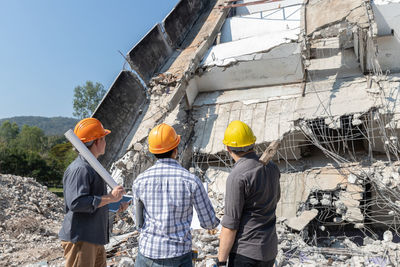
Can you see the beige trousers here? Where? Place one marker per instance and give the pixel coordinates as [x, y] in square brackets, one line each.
[84, 254]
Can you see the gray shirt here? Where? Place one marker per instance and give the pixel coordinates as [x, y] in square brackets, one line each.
[84, 221]
[252, 192]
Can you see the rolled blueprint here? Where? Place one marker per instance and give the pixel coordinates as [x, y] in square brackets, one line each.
[84, 151]
[139, 214]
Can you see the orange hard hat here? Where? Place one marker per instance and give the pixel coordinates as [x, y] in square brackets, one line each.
[162, 139]
[90, 129]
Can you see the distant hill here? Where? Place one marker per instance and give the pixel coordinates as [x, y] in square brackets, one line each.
[50, 126]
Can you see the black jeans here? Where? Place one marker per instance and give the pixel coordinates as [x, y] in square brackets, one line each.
[237, 260]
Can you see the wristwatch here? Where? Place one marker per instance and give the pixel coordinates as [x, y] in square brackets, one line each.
[221, 263]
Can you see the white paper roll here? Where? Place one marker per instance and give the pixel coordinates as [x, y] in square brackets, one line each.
[84, 151]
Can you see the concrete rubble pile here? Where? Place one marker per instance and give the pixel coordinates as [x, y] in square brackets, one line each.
[30, 218]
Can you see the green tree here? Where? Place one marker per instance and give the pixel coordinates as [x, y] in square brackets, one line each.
[31, 138]
[8, 131]
[29, 152]
[86, 98]
[63, 154]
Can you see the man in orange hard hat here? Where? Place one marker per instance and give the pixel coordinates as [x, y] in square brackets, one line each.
[168, 193]
[248, 234]
[85, 228]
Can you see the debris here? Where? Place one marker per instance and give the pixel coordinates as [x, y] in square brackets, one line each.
[298, 223]
[29, 234]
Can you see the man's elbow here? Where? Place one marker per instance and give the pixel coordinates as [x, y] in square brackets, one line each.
[81, 207]
[209, 226]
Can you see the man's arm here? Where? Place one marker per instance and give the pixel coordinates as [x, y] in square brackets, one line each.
[226, 240]
[234, 202]
[205, 210]
[78, 197]
[116, 194]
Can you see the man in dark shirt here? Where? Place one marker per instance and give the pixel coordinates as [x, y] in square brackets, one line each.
[248, 234]
[85, 227]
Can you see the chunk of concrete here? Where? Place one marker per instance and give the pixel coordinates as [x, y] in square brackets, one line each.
[217, 177]
[298, 223]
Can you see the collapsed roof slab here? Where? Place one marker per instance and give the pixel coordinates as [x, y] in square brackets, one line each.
[150, 53]
[272, 112]
[181, 19]
[119, 110]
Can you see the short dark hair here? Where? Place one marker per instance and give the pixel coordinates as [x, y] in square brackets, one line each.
[89, 144]
[165, 155]
[242, 149]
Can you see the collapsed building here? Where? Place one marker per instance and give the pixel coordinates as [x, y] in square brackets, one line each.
[320, 76]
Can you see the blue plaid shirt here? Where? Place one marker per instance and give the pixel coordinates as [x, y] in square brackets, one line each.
[169, 192]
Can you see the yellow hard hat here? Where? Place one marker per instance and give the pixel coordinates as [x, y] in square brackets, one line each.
[90, 129]
[238, 134]
[162, 139]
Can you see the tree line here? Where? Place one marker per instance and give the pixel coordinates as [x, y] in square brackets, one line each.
[28, 152]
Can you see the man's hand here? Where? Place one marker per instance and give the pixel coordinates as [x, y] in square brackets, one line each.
[117, 193]
[123, 206]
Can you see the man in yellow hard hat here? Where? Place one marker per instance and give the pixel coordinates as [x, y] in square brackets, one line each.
[85, 228]
[248, 236]
[168, 193]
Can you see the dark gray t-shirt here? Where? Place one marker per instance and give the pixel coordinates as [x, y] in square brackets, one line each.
[252, 192]
[84, 221]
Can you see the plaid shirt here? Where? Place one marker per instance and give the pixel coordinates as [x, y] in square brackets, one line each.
[169, 192]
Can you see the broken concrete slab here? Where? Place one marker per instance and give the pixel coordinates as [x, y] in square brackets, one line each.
[181, 19]
[339, 10]
[216, 177]
[281, 65]
[150, 53]
[128, 94]
[299, 222]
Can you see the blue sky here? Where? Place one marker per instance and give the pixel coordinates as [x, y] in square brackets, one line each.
[47, 47]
